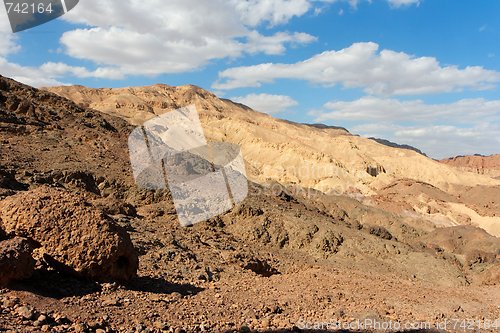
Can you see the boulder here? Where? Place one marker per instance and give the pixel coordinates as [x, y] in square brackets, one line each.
[74, 235]
[16, 262]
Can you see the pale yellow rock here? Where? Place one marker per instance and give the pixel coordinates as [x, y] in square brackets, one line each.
[329, 160]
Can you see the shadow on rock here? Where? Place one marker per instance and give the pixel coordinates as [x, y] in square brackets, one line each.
[161, 286]
[56, 285]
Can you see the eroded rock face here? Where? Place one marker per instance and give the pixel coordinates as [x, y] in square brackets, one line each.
[74, 234]
[483, 165]
[16, 262]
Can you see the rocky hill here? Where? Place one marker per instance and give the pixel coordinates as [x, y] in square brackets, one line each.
[324, 158]
[483, 165]
[397, 145]
[298, 250]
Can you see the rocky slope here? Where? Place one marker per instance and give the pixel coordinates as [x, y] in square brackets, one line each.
[286, 257]
[396, 145]
[483, 165]
[324, 158]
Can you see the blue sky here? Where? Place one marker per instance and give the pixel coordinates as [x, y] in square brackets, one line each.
[420, 72]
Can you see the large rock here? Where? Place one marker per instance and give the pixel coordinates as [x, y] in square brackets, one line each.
[74, 234]
[16, 262]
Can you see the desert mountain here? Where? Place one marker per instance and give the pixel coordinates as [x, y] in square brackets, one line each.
[324, 158]
[287, 253]
[483, 165]
[397, 145]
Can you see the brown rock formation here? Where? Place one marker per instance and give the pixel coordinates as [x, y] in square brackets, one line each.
[72, 232]
[483, 165]
[16, 262]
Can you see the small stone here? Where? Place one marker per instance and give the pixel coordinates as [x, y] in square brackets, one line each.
[25, 312]
[109, 286]
[79, 328]
[111, 302]
[100, 330]
[176, 295]
[60, 319]
[45, 328]
[250, 313]
[266, 323]
[160, 325]
[10, 302]
[245, 329]
[155, 298]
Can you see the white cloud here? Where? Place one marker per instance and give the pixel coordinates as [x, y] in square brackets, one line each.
[28, 75]
[254, 12]
[447, 141]
[9, 46]
[267, 103]
[136, 53]
[148, 54]
[153, 37]
[61, 69]
[401, 3]
[468, 126]
[363, 66]
[49, 74]
[211, 17]
[275, 44]
[393, 3]
[8, 43]
[378, 109]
